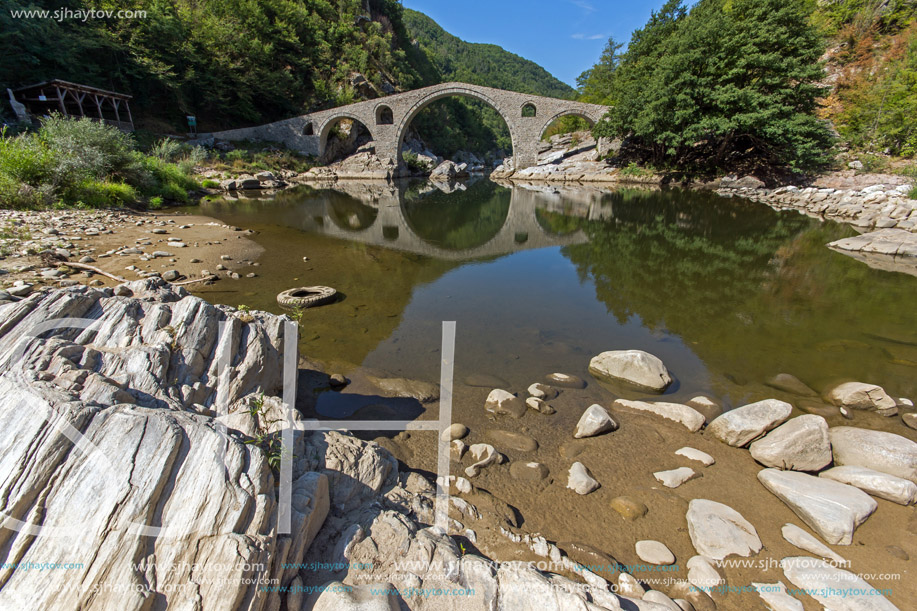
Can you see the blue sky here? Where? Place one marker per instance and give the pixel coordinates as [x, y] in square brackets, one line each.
[564, 36]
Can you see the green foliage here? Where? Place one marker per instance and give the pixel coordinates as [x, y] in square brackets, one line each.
[166, 149]
[879, 109]
[83, 163]
[210, 184]
[729, 82]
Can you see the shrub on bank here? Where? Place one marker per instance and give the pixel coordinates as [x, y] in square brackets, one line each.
[81, 162]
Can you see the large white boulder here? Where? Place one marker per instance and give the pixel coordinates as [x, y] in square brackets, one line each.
[832, 509]
[878, 450]
[635, 368]
[800, 444]
[739, 426]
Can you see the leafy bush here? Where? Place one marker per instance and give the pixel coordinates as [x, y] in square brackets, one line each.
[166, 149]
[85, 163]
[210, 184]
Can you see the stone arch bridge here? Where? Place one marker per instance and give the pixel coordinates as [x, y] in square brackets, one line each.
[387, 120]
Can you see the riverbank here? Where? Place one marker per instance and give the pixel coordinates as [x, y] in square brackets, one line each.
[37, 245]
[640, 529]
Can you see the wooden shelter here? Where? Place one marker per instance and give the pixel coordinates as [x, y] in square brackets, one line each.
[73, 100]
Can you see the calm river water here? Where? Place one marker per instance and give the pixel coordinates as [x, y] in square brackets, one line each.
[726, 292]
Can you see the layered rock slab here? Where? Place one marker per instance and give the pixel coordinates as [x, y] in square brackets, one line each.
[832, 509]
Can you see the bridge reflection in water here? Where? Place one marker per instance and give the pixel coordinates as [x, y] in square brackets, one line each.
[456, 222]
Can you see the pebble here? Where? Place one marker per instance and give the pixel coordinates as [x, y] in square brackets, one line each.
[594, 421]
[675, 477]
[654, 552]
[225, 258]
[580, 480]
[528, 471]
[910, 420]
[539, 405]
[336, 380]
[694, 454]
[87, 259]
[455, 431]
[629, 508]
[195, 261]
[161, 253]
[170, 275]
[542, 391]
[503, 403]
[158, 231]
[897, 552]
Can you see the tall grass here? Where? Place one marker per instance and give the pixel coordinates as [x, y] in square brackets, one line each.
[85, 163]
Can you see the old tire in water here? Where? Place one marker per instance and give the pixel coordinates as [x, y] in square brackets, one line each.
[306, 297]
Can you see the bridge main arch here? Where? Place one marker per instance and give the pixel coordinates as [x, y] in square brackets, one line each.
[436, 94]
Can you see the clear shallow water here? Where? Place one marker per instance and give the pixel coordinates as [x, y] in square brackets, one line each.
[728, 293]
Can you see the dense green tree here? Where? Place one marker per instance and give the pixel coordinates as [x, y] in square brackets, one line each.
[729, 82]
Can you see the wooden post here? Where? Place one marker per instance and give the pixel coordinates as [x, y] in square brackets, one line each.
[60, 102]
[116, 103]
[79, 102]
[95, 98]
[129, 117]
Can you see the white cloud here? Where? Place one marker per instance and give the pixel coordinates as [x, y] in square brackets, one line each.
[583, 4]
[579, 36]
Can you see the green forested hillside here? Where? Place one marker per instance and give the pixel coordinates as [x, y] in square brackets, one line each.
[481, 64]
[238, 62]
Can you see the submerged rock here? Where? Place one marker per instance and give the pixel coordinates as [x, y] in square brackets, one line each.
[539, 405]
[791, 384]
[564, 380]
[885, 452]
[511, 440]
[718, 531]
[689, 417]
[425, 392]
[504, 403]
[801, 444]
[832, 509]
[528, 471]
[580, 480]
[485, 380]
[632, 367]
[836, 589]
[542, 391]
[743, 424]
[594, 421]
[876, 483]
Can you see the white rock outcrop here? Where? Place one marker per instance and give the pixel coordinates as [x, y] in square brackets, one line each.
[111, 460]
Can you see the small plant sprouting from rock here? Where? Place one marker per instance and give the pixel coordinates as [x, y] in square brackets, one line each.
[263, 438]
[173, 332]
[244, 313]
